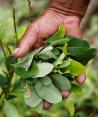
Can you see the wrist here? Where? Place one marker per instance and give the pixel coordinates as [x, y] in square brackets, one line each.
[69, 7]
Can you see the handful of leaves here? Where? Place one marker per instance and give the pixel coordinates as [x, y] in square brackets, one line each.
[51, 69]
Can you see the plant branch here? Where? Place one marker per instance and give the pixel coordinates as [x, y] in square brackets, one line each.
[30, 9]
[15, 28]
[3, 52]
[9, 72]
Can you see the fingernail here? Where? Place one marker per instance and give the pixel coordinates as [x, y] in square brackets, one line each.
[46, 105]
[65, 94]
[16, 51]
[80, 80]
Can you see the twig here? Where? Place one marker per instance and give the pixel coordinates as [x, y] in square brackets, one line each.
[30, 9]
[15, 28]
[3, 52]
[9, 72]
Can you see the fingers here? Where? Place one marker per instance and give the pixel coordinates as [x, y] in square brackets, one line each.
[27, 41]
[72, 26]
[36, 33]
[65, 94]
[46, 105]
[81, 79]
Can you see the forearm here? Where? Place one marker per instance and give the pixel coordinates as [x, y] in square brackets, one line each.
[70, 7]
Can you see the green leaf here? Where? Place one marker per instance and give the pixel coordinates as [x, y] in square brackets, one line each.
[26, 61]
[77, 46]
[10, 110]
[45, 80]
[46, 53]
[59, 60]
[76, 68]
[17, 84]
[61, 82]
[80, 50]
[64, 64]
[2, 80]
[59, 34]
[32, 71]
[76, 89]
[65, 49]
[33, 100]
[26, 88]
[39, 107]
[76, 42]
[70, 108]
[49, 93]
[11, 60]
[55, 53]
[43, 69]
[59, 41]
[87, 56]
[58, 37]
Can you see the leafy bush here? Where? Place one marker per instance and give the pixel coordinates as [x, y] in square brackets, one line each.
[85, 100]
[46, 73]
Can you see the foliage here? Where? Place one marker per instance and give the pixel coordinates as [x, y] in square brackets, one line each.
[88, 98]
[46, 71]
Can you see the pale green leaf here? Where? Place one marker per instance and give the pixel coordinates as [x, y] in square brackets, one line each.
[59, 59]
[61, 82]
[64, 64]
[39, 108]
[45, 80]
[76, 68]
[46, 53]
[10, 110]
[49, 93]
[26, 61]
[33, 100]
[43, 69]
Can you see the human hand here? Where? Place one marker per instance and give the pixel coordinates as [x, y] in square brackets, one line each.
[38, 31]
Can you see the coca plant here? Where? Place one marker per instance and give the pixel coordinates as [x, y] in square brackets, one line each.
[46, 75]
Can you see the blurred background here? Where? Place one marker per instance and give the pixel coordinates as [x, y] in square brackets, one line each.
[82, 103]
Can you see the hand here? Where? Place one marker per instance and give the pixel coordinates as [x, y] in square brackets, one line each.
[38, 31]
[44, 27]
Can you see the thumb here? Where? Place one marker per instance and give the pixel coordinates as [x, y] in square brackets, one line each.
[27, 42]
